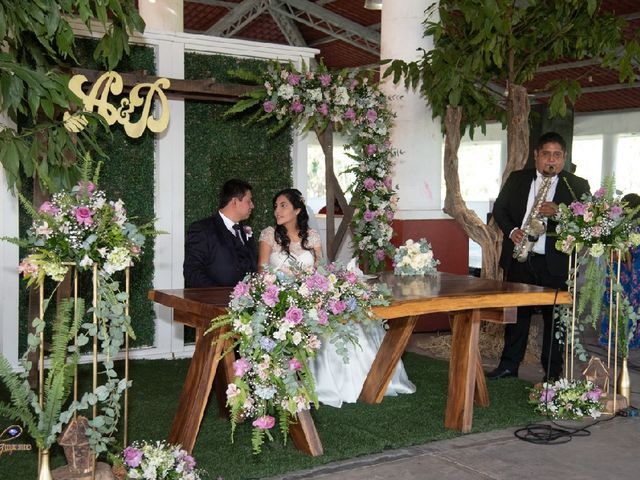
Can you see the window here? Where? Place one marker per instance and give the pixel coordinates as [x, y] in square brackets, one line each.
[627, 163]
[316, 172]
[587, 156]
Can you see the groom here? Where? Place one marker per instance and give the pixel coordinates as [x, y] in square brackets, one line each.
[219, 250]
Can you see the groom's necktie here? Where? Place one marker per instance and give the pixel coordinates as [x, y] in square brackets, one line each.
[237, 229]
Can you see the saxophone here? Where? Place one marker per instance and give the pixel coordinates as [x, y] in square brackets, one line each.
[535, 224]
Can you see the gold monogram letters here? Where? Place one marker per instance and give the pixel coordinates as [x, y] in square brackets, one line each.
[98, 100]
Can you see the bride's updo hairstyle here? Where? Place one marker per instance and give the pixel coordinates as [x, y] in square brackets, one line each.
[302, 221]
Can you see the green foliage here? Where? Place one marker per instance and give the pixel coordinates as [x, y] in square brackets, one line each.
[38, 49]
[482, 45]
[44, 423]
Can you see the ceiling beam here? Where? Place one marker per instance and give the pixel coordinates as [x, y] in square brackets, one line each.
[615, 87]
[215, 3]
[238, 17]
[288, 27]
[334, 25]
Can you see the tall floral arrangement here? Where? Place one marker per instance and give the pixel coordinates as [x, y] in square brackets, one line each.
[281, 320]
[354, 105]
[596, 227]
[80, 227]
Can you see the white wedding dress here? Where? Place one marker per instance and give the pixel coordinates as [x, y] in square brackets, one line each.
[337, 381]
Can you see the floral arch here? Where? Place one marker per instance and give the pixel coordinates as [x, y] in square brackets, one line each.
[350, 103]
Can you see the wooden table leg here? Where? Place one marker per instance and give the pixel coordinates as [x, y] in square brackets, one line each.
[196, 389]
[224, 376]
[393, 346]
[481, 394]
[305, 436]
[462, 371]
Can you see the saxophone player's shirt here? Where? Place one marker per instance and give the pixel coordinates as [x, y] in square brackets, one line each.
[538, 247]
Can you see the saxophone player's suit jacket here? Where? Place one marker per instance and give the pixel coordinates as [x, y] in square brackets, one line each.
[510, 207]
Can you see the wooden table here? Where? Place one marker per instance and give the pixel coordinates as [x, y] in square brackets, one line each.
[470, 300]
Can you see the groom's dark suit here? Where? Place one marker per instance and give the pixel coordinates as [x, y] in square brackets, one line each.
[214, 256]
[549, 270]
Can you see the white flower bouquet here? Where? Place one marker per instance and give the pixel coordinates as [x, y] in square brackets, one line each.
[158, 461]
[415, 258]
[567, 399]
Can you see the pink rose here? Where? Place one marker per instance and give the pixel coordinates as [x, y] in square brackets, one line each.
[48, 207]
[369, 216]
[240, 290]
[268, 106]
[323, 317]
[349, 114]
[84, 216]
[372, 115]
[371, 149]
[293, 79]
[294, 315]
[265, 422]
[337, 306]
[370, 184]
[380, 254]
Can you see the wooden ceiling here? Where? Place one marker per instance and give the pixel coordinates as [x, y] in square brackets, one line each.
[348, 35]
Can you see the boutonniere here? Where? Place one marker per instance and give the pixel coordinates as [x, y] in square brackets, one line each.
[247, 231]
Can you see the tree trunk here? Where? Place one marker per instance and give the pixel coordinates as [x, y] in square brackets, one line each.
[518, 109]
[488, 236]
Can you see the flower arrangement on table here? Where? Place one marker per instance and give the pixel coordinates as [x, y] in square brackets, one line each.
[280, 320]
[157, 461]
[414, 258]
[601, 226]
[567, 399]
[352, 104]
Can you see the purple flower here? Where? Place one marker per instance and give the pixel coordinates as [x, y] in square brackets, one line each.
[297, 107]
[352, 303]
[337, 306]
[240, 290]
[600, 192]
[578, 208]
[84, 216]
[349, 114]
[615, 212]
[189, 462]
[388, 182]
[323, 317]
[265, 422]
[267, 344]
[294, 364]
[86, 188]
[241, 366]
[323, 109]
[594, 395]
[294, 315]
[317, 282]
[380, 254]
[351, 277]
[132, 457]
[372, 115]
[325, 79]
[370, 184]
[271, 295]
[354, 84]
[268, 106]
[371, 149]
[389, 215]
[369, 216]
[547, 395]
[293, 79]
[48, 207]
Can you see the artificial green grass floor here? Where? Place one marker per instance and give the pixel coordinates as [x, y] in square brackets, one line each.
[351, 431]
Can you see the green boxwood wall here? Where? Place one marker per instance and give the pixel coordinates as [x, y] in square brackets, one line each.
[128, 174]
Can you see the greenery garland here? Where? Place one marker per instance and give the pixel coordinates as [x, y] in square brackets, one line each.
[353, 105]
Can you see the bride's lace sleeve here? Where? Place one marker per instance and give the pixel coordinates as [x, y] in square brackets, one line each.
[314, 238]
[267, 236]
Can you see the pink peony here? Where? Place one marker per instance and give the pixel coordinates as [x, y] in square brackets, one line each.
[325, 79]
[371, 149]
[268, 106]
[372, 115]
[84, 216]
[265, 422]
[241, 366]
[349, 114]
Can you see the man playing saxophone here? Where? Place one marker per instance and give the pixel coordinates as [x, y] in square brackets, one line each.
[524, 212]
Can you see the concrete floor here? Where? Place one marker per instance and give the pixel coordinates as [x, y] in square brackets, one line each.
[610, 451]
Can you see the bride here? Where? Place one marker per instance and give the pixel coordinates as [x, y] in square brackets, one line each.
[293, 242]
